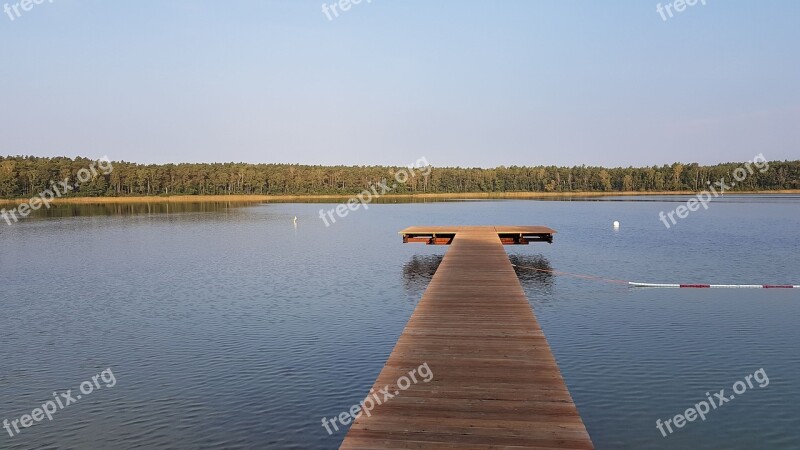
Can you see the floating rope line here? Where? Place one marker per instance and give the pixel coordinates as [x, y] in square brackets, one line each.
[716, 286]
[664, 285]
[576, 275]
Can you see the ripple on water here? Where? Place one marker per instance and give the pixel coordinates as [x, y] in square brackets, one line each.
[233, 329]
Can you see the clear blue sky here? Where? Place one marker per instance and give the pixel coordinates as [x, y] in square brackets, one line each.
[468, 83]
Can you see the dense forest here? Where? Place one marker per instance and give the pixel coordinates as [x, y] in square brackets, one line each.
[22, 176]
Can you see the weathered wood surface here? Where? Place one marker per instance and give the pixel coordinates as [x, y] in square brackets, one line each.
[495, 381]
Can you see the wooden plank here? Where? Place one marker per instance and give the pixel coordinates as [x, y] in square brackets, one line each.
[494, 383]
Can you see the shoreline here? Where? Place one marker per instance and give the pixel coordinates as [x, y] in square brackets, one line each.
[440, 196]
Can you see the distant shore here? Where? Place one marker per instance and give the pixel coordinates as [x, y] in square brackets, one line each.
[337, 198]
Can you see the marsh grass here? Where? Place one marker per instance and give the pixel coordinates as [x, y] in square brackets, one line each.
[336, 198]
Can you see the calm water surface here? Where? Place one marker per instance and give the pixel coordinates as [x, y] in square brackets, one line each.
[228, 326]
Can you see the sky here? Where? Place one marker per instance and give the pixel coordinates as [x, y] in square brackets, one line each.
[459, 82]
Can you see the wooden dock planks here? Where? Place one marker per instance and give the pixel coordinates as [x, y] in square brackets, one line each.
[495, 381]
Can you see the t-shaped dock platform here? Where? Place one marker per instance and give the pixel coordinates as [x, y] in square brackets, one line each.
[495, 381]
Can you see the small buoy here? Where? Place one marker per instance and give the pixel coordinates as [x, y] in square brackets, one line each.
[616, 224]
[295, 219]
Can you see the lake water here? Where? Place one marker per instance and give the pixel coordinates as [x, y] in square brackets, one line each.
[228, 326]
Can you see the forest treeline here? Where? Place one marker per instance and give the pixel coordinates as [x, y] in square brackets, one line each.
[22, 176]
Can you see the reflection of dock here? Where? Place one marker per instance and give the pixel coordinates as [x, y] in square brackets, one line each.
[495, 381]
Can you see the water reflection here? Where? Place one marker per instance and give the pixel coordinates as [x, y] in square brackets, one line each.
[165, 207]
[130, 209]
[417, 273]
[535, 272]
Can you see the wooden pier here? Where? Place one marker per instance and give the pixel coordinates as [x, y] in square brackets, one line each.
[495, 381]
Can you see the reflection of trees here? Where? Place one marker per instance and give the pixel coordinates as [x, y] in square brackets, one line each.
[129, 209]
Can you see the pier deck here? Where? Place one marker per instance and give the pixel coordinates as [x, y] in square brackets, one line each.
[495, 381]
